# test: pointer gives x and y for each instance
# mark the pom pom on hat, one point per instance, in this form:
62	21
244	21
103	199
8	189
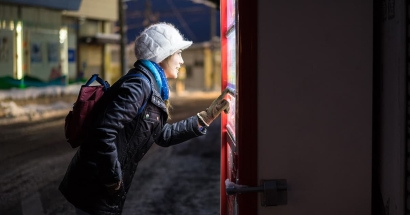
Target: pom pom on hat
159	41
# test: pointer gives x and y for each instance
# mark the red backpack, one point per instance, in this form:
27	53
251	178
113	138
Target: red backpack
77	120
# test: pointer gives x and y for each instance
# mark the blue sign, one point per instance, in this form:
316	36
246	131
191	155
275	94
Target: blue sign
71	55
36	54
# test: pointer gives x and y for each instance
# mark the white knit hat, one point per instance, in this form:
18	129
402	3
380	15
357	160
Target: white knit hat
159	41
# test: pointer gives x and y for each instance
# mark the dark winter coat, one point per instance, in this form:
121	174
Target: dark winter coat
118	140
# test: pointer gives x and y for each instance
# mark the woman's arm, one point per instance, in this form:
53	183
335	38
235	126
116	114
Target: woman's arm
179	132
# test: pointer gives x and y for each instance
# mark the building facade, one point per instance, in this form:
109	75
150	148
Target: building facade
47	41
91	40
32	42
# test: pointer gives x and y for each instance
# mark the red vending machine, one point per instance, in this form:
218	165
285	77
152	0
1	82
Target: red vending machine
229	150
299	137
239	127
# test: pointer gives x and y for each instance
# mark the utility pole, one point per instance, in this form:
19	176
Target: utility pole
123	36
213	47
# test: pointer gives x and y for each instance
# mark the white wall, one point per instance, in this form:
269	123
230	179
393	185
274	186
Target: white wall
42	56
73	56
7	53
42	39
8	12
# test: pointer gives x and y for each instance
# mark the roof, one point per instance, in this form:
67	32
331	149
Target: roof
54	4
191	17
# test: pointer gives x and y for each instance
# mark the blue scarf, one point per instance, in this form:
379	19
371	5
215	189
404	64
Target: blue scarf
160	78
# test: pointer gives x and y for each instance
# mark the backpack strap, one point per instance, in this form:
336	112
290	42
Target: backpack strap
95	77
142	76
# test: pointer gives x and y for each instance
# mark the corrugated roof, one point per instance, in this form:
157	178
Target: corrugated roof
192	19
53	4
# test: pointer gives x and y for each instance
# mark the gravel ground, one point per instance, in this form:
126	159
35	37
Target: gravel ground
178	180
182	179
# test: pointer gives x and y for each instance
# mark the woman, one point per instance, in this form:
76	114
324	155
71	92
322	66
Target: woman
100	174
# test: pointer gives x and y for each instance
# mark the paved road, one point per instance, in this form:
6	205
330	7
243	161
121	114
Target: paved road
182	179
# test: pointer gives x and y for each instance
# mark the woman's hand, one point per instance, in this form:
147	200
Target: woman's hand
206	117
113	187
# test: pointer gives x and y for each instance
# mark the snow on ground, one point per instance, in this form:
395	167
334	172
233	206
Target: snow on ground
10	112
35	92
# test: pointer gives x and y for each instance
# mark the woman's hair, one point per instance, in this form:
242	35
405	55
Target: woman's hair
167	102
169	106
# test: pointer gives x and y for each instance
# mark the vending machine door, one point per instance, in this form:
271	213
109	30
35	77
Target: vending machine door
229	150
239	127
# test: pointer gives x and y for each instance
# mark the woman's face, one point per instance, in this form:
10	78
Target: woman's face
172	64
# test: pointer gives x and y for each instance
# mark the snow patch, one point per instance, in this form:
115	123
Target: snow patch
35	92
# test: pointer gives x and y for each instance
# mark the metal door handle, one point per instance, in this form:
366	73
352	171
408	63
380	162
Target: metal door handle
274	191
